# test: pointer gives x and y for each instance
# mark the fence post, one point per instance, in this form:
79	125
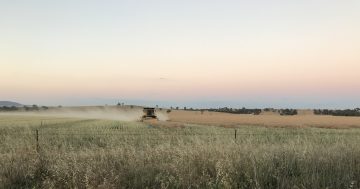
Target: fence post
235	133
37	140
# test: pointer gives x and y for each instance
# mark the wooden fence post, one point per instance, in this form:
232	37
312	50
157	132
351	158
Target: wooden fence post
37	140
235	133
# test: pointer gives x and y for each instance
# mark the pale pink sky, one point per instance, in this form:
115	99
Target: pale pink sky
181	51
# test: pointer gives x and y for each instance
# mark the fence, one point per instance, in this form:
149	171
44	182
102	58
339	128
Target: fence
40	135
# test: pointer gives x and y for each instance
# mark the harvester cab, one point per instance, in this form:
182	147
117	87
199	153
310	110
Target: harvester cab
149	113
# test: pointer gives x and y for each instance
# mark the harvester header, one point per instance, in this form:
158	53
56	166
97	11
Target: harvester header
149	113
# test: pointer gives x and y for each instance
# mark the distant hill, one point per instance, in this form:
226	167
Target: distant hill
9	104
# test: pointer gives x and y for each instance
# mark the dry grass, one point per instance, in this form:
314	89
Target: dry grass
90	153
305	119
163	124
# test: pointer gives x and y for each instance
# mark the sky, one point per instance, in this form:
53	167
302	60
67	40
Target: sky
195	53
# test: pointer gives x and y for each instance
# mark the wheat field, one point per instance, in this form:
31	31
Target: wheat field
304	119
96	153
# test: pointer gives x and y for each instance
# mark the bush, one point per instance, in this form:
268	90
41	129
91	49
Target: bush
288	112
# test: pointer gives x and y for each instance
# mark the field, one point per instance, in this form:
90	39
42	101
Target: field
193	150
304	119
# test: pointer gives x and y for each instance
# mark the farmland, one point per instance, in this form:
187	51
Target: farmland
192	150
304	119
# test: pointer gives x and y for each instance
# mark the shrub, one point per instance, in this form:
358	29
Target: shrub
288	112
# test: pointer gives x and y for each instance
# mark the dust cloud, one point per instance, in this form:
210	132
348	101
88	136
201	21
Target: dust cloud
108	113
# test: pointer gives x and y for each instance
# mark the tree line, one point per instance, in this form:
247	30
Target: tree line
237	111
8	108
26	108
254	111
346	112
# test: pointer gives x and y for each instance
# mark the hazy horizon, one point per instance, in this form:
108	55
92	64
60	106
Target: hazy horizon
198	103
181	53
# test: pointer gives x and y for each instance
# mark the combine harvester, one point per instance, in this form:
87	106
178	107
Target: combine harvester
149	114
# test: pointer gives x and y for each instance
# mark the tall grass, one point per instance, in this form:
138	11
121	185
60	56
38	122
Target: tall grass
77	153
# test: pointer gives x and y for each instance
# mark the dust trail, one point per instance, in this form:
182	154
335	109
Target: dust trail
121	114
162	116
